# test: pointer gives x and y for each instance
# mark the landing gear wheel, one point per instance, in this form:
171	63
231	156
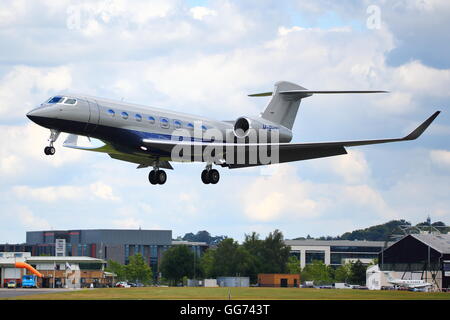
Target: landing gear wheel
49	151
152	177
205	177
213	176
161	176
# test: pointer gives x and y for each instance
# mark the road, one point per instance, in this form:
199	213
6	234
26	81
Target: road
11	293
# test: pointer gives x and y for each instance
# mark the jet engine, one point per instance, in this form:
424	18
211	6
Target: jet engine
252	130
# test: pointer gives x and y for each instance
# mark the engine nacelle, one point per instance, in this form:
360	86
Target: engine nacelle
248	128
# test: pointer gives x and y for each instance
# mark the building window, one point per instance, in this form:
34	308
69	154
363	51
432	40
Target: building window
312	255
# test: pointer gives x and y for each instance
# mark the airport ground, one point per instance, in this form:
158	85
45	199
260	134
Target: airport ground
172	293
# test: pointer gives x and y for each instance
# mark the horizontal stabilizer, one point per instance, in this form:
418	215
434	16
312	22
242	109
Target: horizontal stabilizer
306	93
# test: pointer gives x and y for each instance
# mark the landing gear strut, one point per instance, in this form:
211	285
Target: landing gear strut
157	176
50	150
210	175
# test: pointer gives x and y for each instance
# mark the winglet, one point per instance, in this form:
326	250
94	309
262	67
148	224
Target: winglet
420	129
264	94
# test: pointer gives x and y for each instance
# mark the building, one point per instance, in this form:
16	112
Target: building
278	280
57	272
335	252
233	281
107	244
419	256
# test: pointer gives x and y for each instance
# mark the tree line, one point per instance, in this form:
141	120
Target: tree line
229	258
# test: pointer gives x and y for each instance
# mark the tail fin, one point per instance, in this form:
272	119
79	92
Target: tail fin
282	109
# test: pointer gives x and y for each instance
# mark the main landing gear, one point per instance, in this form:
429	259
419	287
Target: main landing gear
50	150
157	176
210	175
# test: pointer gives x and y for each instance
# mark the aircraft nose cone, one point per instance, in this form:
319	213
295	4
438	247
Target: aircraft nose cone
36	114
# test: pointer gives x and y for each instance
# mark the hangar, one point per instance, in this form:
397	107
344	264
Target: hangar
420	256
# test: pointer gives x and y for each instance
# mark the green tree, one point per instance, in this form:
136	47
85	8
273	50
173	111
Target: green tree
176	263
343	273
358	273
275	253
230	259
293	265
318	272
137	270
207	263
118	269
254	247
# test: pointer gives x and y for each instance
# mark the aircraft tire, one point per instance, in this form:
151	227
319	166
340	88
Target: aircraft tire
161	176
205	177
152	177
213	176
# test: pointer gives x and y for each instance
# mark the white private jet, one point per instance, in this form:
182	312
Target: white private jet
411	284
152	137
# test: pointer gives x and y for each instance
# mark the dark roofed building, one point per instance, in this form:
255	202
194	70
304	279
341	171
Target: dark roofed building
428	254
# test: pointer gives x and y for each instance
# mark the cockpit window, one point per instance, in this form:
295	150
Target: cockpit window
70	101
56	100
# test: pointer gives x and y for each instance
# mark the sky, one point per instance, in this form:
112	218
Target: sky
204	58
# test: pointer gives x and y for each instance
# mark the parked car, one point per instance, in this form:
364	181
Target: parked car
132	284
140	284
122	284
11	284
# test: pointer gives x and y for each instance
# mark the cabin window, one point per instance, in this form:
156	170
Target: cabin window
204	128
138	117
151	119
190	126
111	112
177	124
124	115
164	123
70	101
55	100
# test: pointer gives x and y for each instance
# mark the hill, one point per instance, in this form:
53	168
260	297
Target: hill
385	231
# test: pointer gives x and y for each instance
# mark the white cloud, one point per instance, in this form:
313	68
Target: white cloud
95	191
280	196
29	220
24	87
103	191
199	13
24	145
353	167
441	157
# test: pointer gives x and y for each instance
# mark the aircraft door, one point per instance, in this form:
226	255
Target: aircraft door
94	116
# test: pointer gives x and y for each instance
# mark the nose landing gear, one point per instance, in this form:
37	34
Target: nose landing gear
50	150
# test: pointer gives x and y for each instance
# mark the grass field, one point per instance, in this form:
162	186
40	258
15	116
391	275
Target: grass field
236	294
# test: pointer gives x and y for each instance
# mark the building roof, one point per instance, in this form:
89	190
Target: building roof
72	259
344	243
188	243
439	242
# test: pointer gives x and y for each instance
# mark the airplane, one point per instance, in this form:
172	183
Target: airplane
411	284
153	137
